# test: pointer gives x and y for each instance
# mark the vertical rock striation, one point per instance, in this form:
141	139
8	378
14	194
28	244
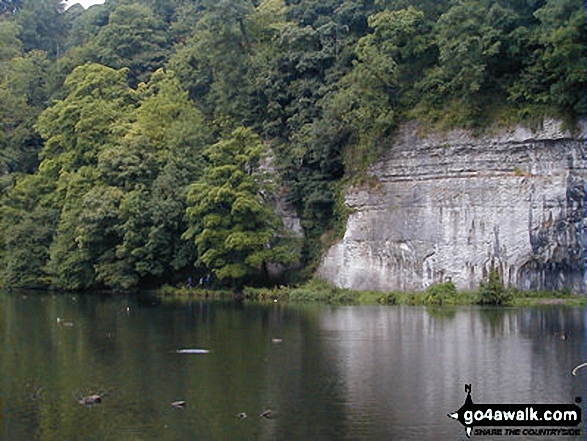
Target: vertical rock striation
452	206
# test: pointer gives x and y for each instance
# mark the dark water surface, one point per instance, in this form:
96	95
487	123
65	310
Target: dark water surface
337	373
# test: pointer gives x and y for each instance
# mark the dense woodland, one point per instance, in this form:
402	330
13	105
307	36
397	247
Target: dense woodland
146	141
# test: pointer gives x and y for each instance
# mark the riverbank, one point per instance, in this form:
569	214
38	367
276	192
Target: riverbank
316	291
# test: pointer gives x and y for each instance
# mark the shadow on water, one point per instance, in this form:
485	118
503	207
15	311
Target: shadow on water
328	373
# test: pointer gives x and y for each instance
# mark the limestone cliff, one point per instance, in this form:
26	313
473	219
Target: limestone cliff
449	207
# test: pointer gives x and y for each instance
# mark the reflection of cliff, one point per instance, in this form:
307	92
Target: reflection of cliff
403	370
451	206
558	334
338	373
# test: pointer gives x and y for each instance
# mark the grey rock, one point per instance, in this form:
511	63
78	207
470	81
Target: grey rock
452	206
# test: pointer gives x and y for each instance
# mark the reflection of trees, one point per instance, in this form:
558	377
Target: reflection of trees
494	319
15	388
334	372
131	355
441	313
299	368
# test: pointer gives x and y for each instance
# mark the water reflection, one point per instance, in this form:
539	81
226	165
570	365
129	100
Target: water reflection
326	373
403	364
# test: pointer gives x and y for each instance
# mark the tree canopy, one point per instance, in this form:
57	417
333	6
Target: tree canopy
235	229
145	141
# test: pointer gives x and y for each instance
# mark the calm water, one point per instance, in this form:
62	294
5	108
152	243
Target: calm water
338	373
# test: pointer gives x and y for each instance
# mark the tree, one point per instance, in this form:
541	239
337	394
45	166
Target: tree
28	218
114	172
298	70
214	65
471	75
324	83
10	6
79	126
371	99
234	228
555	73
85	26
134	38
42	26
312	12
160	155
85	234
492	291
93	116
23	94
10	45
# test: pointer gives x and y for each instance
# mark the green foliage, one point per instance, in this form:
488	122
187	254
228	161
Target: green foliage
436	296
100	140
76	129
134	38
492	291
86	26
318	291
562	297
472	39
373	95
214	60
28	219
235	230
388	299
264	294
554	74
10	6
118	162
441	294
23	96
42	26
10	44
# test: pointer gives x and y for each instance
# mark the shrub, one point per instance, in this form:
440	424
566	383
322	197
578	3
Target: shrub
442	293
388	299
322	292
493	292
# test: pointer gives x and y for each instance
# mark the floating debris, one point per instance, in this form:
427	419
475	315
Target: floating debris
242	416
91	400
193	351
582	365
276	340
178	404
267	414
64	323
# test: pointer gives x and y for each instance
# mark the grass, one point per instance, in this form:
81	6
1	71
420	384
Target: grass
521	298
440	295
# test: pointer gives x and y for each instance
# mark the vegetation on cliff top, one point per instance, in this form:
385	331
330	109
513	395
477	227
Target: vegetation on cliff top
133	133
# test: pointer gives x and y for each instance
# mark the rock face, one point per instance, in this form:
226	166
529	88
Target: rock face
452	206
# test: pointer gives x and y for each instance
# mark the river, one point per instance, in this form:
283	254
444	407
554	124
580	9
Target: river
323	372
